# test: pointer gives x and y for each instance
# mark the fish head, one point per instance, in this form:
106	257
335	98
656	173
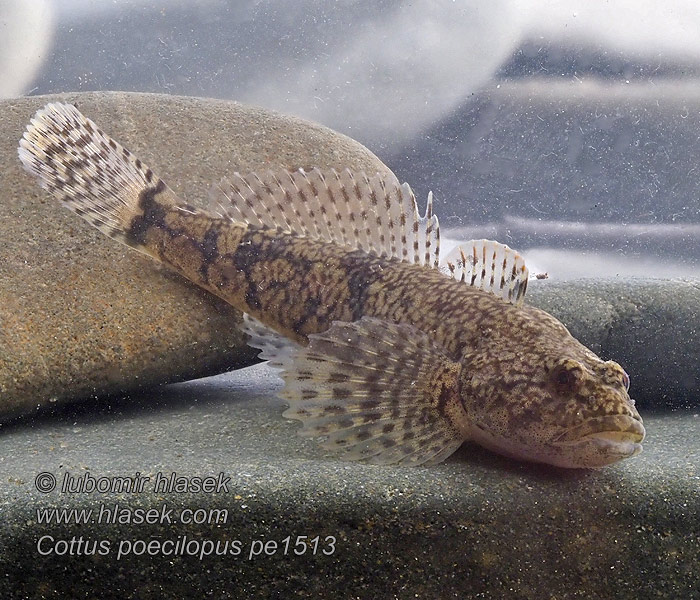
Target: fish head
556	402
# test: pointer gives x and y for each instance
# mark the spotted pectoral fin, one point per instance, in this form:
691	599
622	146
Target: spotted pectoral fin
378	392
274	347
375	213
489	266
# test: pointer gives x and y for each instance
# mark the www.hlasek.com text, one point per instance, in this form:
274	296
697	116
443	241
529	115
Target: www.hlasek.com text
115	513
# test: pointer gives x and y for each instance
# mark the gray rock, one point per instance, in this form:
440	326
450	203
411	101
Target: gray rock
477	526
528	154
81	315
650	326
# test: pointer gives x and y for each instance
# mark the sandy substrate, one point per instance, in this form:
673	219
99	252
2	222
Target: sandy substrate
476	526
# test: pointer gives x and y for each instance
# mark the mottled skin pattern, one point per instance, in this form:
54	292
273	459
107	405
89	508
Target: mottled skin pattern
398	363
528	388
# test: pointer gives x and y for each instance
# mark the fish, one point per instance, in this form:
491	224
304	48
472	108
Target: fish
390	353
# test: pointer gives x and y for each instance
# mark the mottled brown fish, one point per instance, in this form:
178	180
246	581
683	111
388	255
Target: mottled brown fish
389	354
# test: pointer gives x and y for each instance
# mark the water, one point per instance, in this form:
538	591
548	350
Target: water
541	124
566	130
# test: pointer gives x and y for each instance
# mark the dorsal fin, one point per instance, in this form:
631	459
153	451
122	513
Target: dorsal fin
489	266
374	214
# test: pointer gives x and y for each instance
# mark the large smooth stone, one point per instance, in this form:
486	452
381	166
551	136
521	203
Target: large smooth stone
81	315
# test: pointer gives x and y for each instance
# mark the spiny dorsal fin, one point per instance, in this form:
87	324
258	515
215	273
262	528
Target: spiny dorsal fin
371	214
379	392
490	266
374	214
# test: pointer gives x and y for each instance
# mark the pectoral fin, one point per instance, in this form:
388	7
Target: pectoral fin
379	392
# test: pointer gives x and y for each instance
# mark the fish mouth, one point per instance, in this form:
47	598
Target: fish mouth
618	434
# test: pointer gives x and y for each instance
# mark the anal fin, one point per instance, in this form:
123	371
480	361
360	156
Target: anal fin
378	392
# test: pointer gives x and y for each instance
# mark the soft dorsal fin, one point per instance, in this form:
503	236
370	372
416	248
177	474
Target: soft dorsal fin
489	266
374	214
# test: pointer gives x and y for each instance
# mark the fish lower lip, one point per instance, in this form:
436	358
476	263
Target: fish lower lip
614	436
616	429
615	442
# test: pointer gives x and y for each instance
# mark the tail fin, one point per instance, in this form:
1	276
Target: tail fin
89	172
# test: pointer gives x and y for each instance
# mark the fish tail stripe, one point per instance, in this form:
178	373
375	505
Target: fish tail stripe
345	216
334	192
484	265
504	265
363	190
466	269
276	193
245	209
304	208
381	216
90	173
403	238
295	208
429	224
436	237
284	184
364	213
319	191
258	188
415	232
374	227
292	210
406	225
392	222
355	209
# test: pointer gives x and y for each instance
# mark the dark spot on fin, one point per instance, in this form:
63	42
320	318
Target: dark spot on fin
152	214
490	266
334	206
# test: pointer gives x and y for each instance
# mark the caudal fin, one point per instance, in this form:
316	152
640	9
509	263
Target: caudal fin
89	172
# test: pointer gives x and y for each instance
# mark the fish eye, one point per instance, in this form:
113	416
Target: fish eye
563	377
626	381
566	375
